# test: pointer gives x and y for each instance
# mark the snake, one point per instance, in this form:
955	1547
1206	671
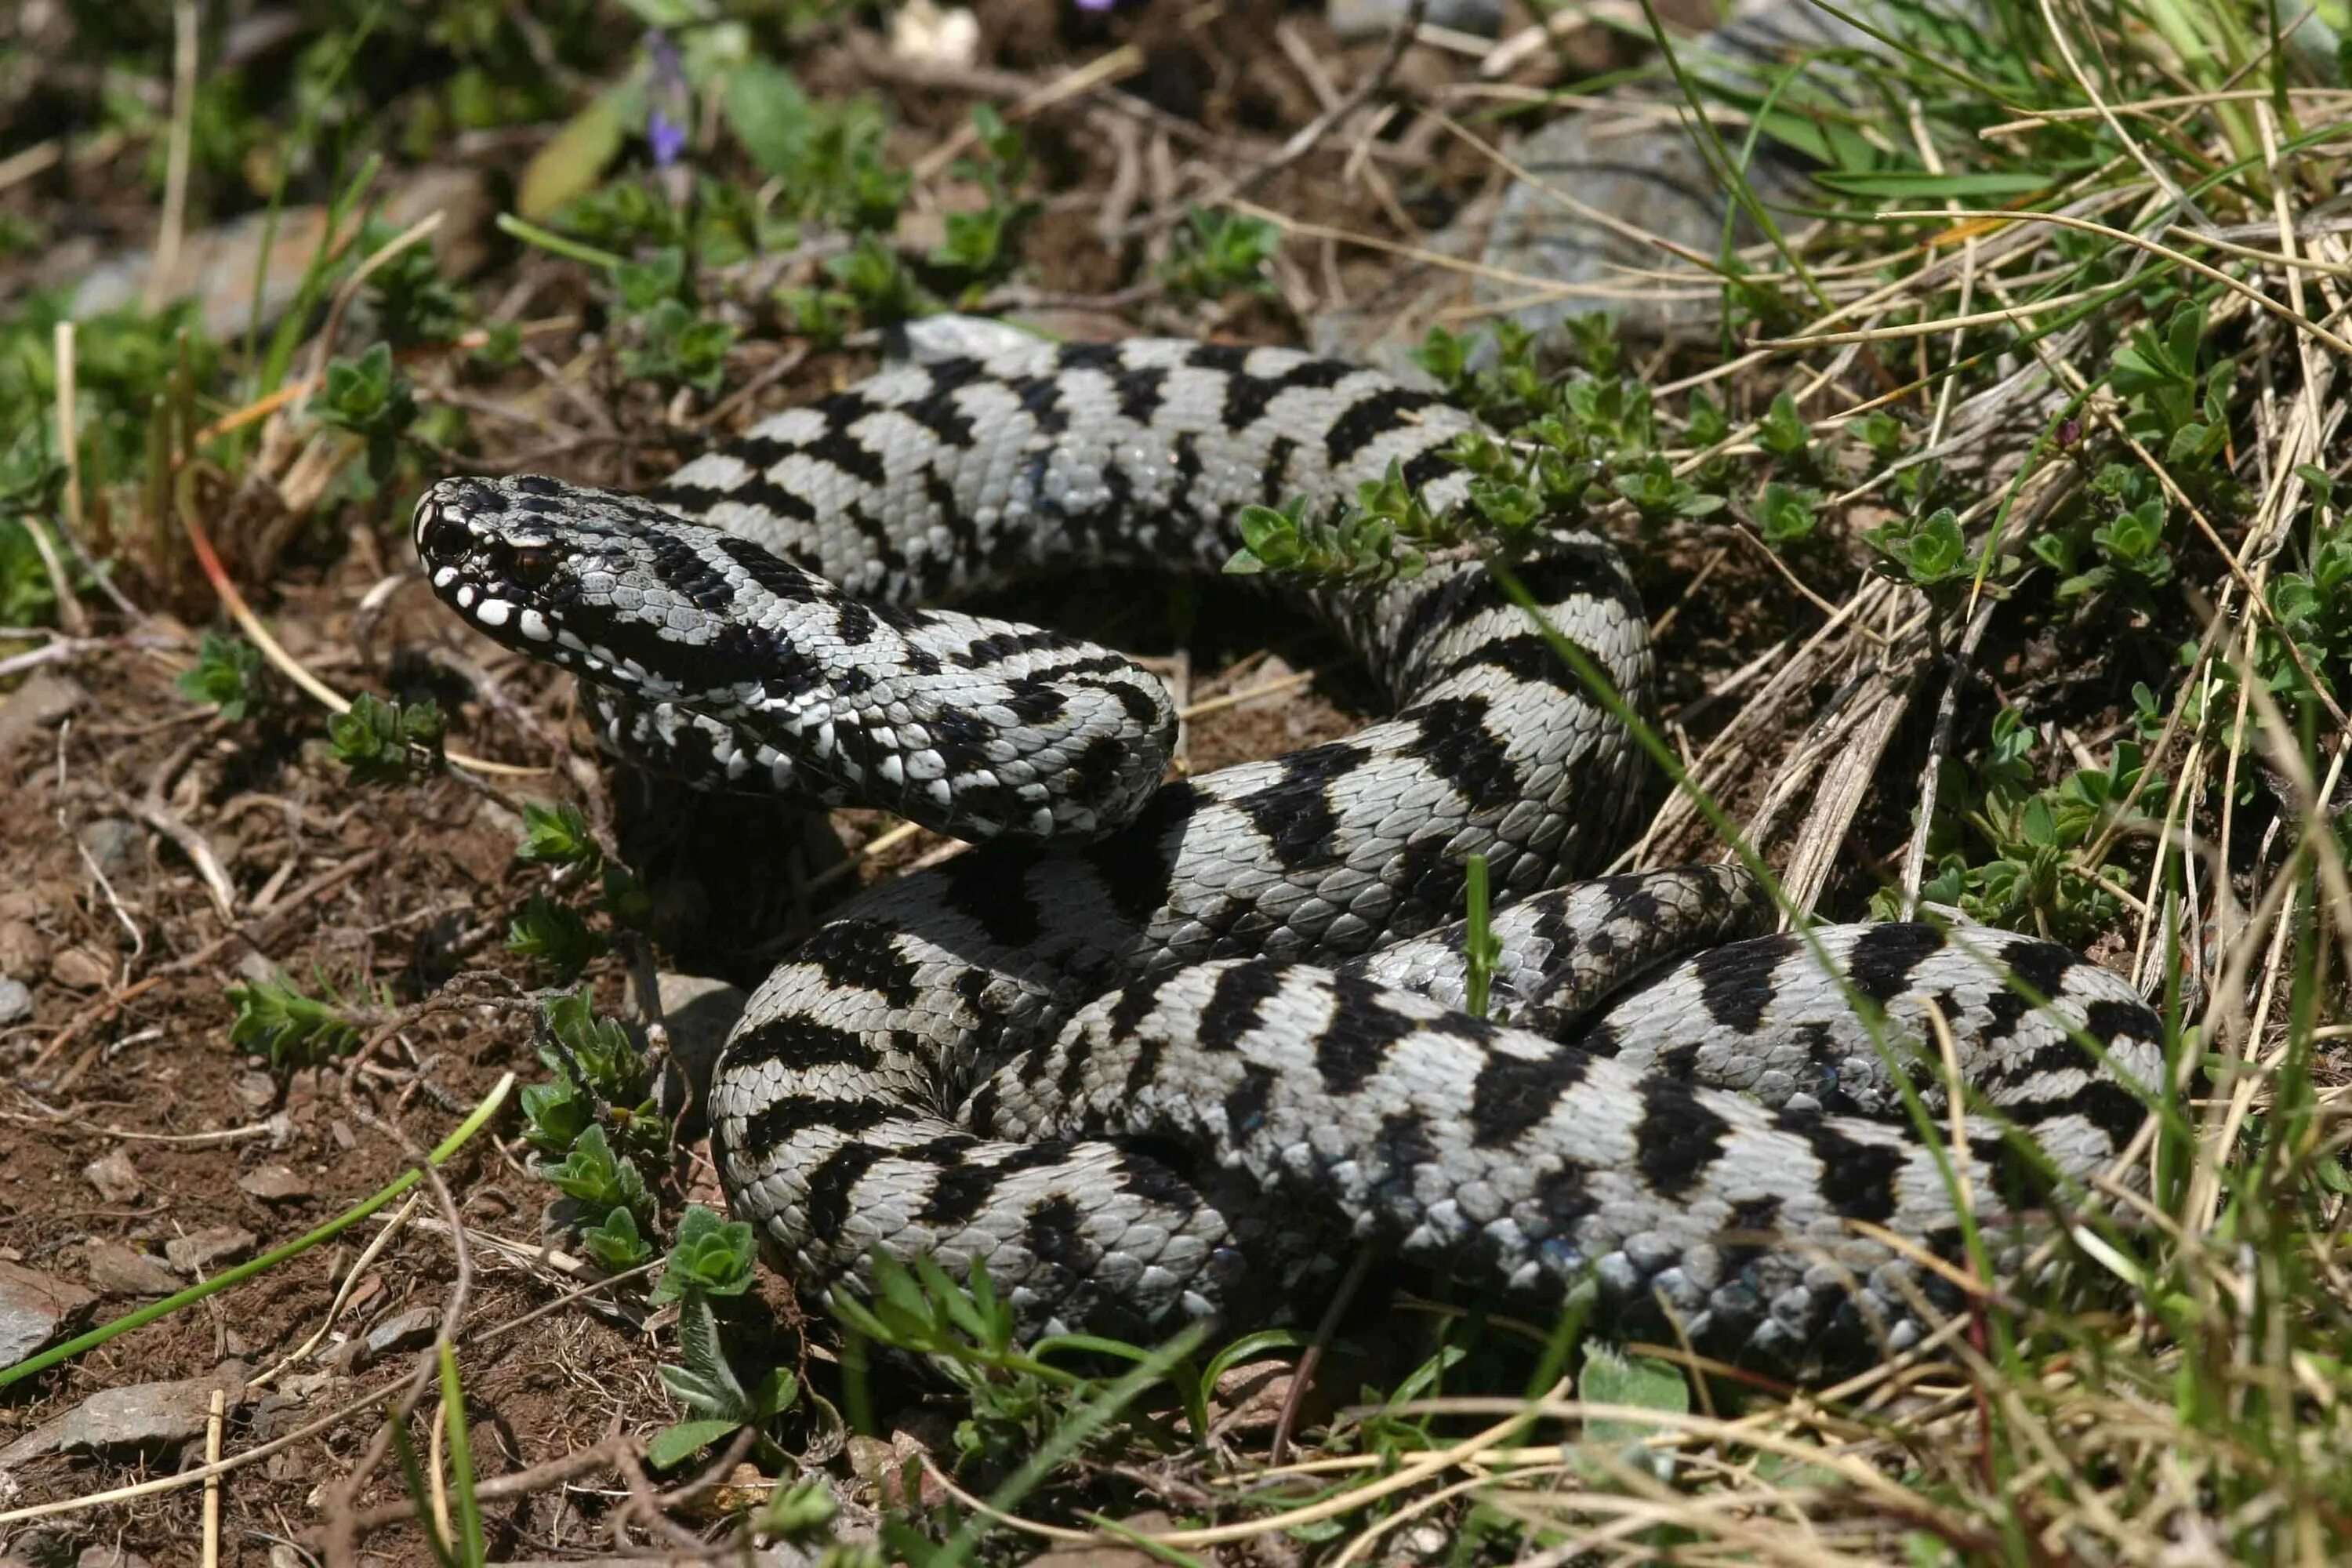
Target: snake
1164	1048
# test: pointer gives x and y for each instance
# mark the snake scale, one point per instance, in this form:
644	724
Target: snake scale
1158	1050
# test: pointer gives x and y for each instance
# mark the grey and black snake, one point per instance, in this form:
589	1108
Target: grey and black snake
1158	1050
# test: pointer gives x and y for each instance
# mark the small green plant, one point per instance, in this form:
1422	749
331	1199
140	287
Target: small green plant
602	1077
230	674
667	340
2156	373
555	936
1785	515
1930	553
1481	949
558	836
1783	433
1217	253
982	243
712	1260
291	1029
598	1179
384	743
371	398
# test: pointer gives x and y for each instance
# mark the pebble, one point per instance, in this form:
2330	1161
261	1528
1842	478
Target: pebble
700	1014
142	1415
199	1250
80	969
15	1001
1352	20
119	1270
116	844
24	952
114	1176
35	1309
274	1184
44	698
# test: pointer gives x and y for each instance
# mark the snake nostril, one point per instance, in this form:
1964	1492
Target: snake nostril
437	533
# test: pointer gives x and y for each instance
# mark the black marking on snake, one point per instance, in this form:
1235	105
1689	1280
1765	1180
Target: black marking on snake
853	623
1355	1042
1041	399
1136	862
1734	982
1295	813
799	1043
1056	1233
832	1183
1368	418
1677	1138
1188	472
1138	389
1563	1196
1231	1009
757	493
1401	1148
1095	770
785	1118
1857	1179
1513	1093
1454	742
2041	966
1246	1102
1274	481
960	1193
1884	958
859	954
2107	1019
939	411
993	894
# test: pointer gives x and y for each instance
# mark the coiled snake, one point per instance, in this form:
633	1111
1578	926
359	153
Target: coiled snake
1156	1051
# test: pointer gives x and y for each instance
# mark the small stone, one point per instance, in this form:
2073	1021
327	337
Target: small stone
114	1176
109	1556
35	1309
929	33
700	1014
1351	20
24	952
118	1271
117	845
274	1184
142	1415
199	1250
256	1090
1106	1554
44	698
15	1001
80	969
403	1332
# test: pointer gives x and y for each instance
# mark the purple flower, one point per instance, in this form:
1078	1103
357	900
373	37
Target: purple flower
666	120
667	136
1096	5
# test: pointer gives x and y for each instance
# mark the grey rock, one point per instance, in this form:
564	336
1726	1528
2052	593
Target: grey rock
109	1556
403	1331
117	1270
114	1176
117	844
142	1415
700	1012
199	1250
15	1001
1352	20
274	1184
44	698
35	1309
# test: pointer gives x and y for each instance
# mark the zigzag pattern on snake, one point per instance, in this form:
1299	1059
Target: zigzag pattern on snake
1157	1050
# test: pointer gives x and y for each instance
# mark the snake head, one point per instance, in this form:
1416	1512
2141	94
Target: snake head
607	585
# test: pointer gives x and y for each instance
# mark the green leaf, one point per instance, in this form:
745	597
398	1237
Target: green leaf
1908	185
683	1441
711	1254
576	156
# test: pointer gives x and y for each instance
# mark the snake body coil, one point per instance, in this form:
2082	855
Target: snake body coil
1156	1051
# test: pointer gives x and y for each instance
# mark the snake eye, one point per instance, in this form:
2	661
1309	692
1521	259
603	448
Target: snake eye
532	565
